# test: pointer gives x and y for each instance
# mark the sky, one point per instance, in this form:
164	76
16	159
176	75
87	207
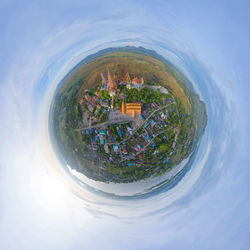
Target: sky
41	207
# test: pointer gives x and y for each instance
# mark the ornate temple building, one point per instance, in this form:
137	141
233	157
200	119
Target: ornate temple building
104	81
103	78
127	78
134	83
109	84
112	85
131	109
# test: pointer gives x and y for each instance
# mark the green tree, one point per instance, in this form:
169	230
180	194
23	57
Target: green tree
104	94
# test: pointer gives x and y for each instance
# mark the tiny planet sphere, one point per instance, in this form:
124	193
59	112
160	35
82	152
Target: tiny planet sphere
126	114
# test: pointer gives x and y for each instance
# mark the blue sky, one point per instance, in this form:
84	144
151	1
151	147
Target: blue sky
41	41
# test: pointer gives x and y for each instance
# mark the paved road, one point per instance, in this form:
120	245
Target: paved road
120	121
